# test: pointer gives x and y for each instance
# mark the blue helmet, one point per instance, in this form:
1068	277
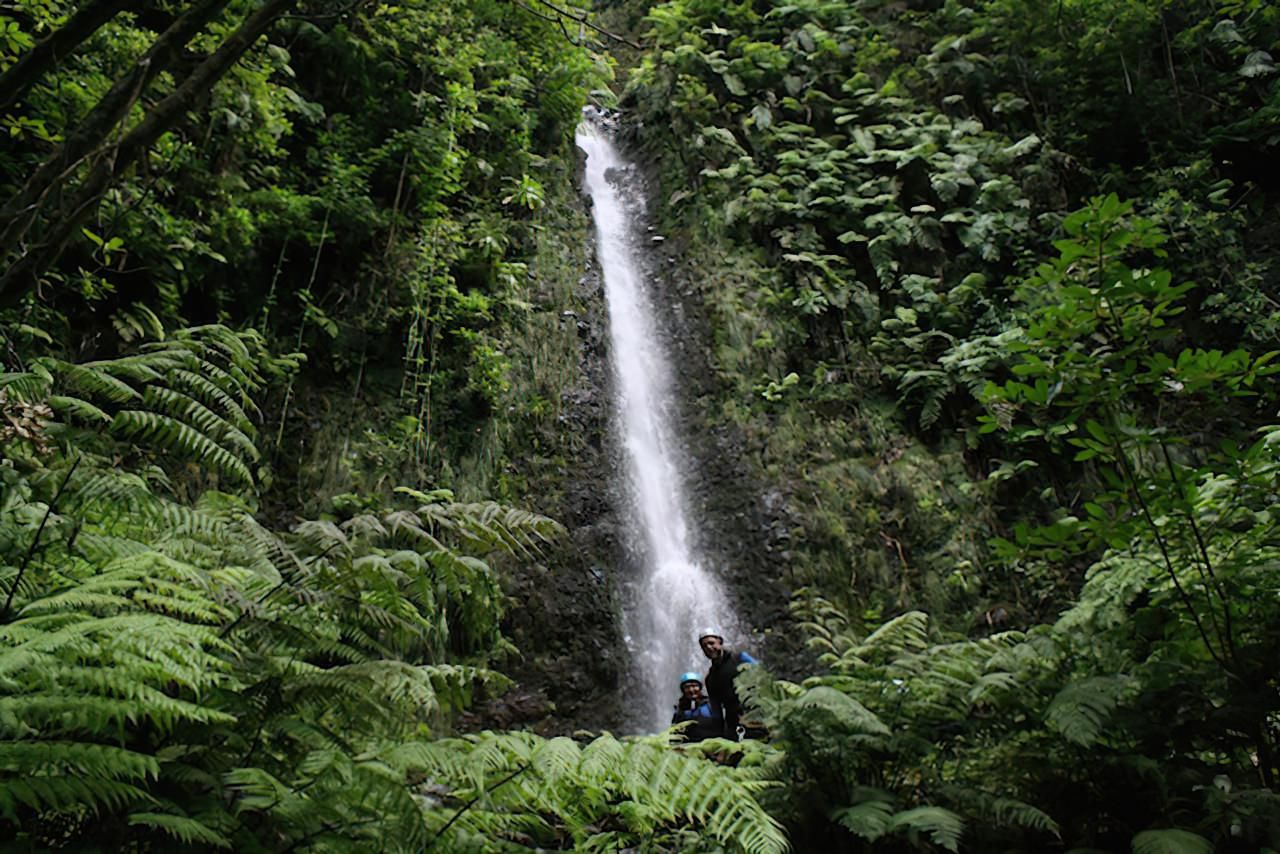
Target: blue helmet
690	677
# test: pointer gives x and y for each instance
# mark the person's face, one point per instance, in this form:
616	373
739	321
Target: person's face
691	690
711	646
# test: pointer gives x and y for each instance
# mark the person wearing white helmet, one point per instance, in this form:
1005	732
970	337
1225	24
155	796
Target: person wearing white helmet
695	709
725	664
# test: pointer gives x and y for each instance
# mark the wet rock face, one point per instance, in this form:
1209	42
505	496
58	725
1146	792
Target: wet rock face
746	524
562	610
743	527
565	612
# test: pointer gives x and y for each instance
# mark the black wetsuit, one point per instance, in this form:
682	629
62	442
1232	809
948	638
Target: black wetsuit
720	688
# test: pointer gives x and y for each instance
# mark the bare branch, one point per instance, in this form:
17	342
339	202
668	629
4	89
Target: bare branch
581	19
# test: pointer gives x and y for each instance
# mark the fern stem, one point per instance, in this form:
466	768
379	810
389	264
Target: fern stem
35	541
469	804
1203	549
330	828
1172	572
302	324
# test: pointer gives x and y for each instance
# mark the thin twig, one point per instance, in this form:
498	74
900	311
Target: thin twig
469	804
35	541
581	19
331	828
341	13
1203	548
1172	572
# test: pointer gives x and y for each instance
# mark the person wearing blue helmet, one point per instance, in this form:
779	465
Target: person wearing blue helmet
694	708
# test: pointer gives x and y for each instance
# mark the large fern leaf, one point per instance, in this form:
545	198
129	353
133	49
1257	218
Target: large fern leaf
1171	841
944	827
1080	711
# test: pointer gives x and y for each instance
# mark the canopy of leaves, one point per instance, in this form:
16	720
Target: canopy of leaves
992	286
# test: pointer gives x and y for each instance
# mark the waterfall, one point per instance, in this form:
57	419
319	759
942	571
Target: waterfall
673	594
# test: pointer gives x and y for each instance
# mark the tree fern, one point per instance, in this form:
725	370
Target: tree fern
891	700
186	671
661	790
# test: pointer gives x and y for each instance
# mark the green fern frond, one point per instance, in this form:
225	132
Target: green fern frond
847	712
103	548
78	408
139	368
1080	711
182	828
905	633
488	526
137	322
404	523
365	526
1014	813
187	409
64	713
275	560
556	759
171	434
944	827
601	755
26	387
869	820
1171	841
385	688
454	683
257	789
999	811
322	536
185	523
98	382
102	761
212	395
992	686
112	493
63	793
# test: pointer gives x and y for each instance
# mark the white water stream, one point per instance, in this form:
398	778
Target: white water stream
674	594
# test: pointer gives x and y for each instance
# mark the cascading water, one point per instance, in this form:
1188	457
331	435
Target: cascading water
674	594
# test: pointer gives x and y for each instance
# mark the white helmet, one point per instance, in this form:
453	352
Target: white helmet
710	632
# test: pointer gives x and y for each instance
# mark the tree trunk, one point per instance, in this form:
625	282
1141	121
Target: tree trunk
20	212
24	272
38	61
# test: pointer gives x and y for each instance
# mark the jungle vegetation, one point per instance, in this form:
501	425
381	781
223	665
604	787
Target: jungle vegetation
992	286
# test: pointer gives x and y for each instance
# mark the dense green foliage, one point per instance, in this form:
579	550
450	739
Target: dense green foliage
183	660
359	185
991	387
892	171
173	670
992	289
